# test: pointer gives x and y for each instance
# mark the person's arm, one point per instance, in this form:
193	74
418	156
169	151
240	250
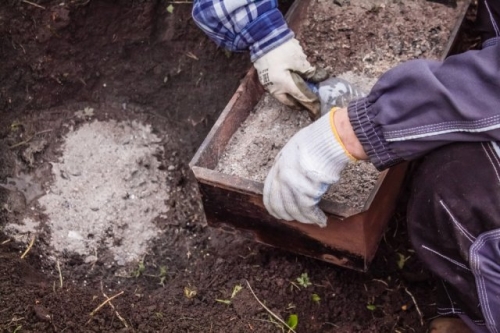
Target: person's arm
413	109
259	27
243	25
422	105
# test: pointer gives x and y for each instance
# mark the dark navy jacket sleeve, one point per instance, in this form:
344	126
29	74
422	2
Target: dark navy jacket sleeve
243	25
421	105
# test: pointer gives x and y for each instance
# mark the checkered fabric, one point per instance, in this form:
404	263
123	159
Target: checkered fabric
241	25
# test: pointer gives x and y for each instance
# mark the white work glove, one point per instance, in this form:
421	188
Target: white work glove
282	72
304	170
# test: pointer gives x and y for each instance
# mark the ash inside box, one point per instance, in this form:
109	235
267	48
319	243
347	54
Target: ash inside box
251	151
360	39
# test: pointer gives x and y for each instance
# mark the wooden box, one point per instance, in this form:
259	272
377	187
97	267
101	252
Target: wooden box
233	203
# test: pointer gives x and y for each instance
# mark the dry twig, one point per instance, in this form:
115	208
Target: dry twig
267	309
124	322
29	247
191	55
382	281
28	139
60	274
416	306
108	299
22	142
33	4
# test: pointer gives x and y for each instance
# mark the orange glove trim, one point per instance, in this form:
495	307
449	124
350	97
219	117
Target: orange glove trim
336	134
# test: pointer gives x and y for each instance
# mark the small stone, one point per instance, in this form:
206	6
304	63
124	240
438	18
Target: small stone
90	259
341	2
74	171
171	168
74	235
42	313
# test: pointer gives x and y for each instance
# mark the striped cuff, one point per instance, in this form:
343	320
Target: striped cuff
370	135
491	42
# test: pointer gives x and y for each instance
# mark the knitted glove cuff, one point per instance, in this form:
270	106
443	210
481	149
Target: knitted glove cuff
326	150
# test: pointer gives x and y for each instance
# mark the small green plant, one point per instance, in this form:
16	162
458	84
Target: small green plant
224	301
163	275
237	288
303	280
87	112
371	307
15	126
315	298
170	9
140	269
402	260
190	292
292	321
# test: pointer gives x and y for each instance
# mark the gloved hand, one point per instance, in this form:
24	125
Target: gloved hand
282	72
337	92
304	170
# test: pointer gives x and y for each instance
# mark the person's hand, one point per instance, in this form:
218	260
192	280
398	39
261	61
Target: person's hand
306	167
282	72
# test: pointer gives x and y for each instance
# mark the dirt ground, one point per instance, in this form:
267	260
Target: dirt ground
139	61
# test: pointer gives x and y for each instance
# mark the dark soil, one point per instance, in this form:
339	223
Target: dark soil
370	38
59	58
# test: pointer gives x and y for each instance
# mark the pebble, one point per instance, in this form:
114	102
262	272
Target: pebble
74	235
90	259
42	313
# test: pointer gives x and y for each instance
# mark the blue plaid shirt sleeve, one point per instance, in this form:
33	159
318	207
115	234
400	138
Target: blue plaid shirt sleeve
241	25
